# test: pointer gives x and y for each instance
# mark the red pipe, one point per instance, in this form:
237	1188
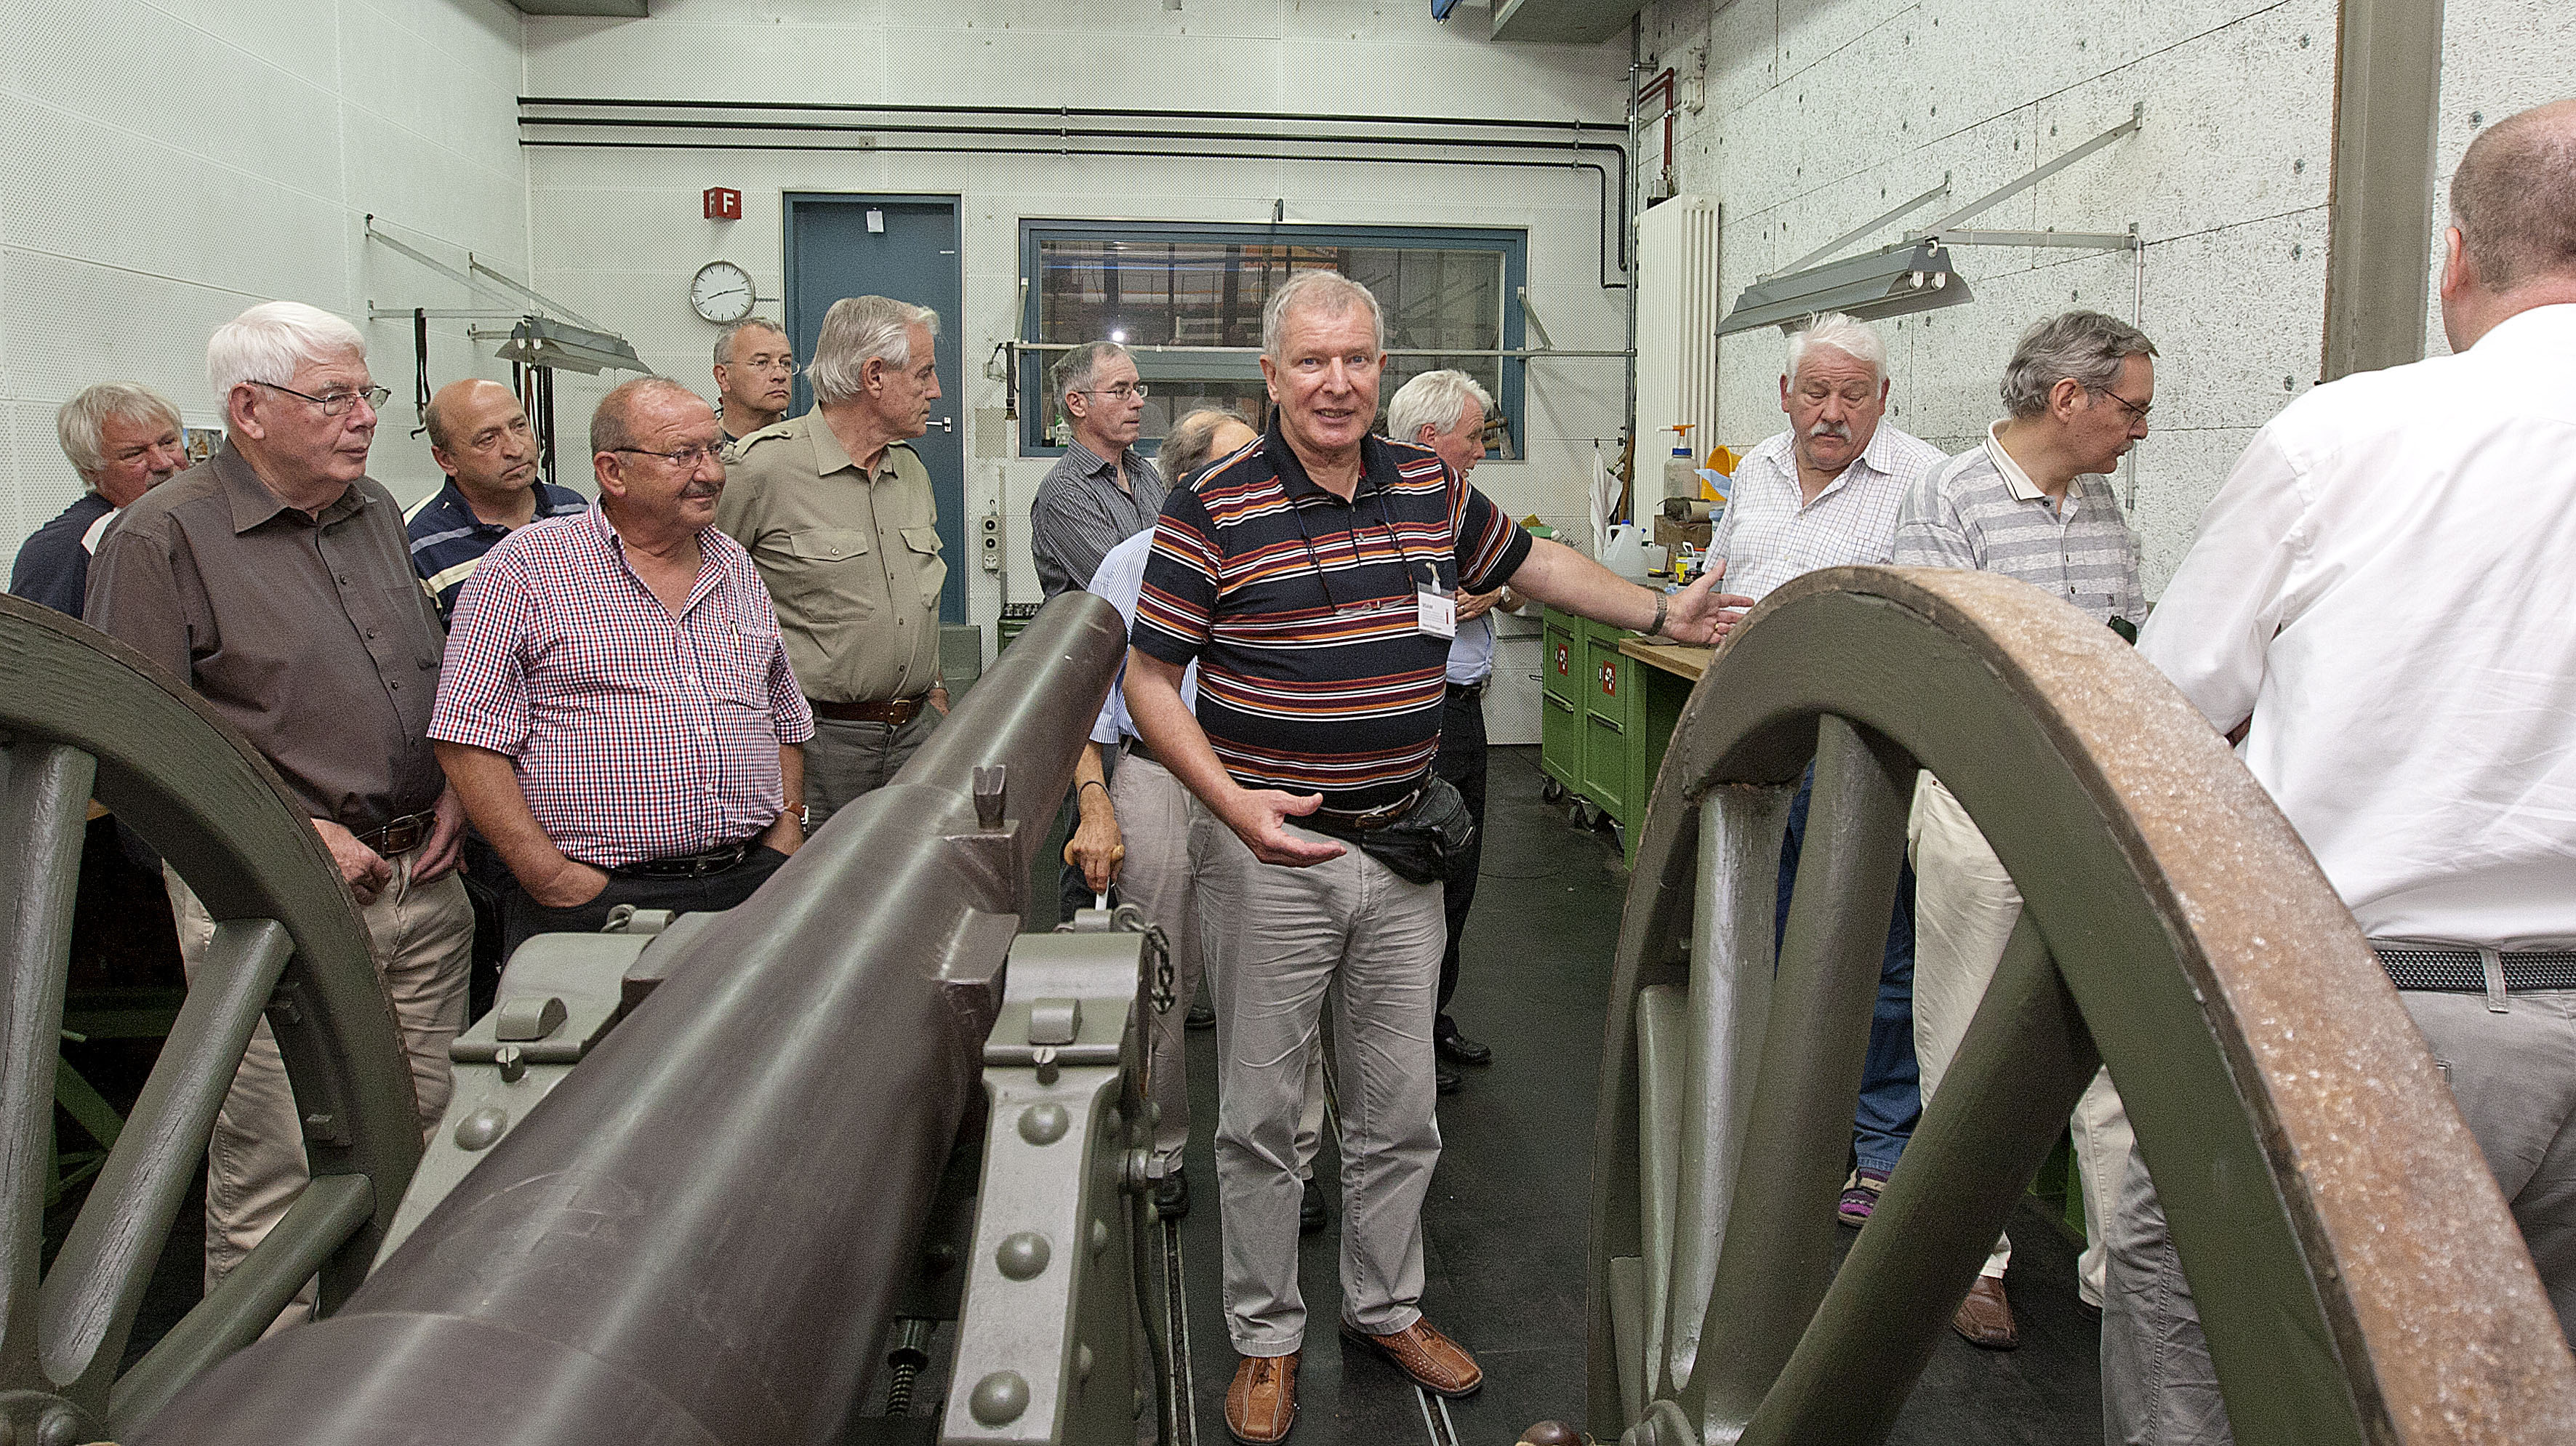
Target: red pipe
1663	82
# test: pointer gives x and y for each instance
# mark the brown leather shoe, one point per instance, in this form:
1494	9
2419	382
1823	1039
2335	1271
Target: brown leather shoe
1985	1317
1436	1363
1262	1403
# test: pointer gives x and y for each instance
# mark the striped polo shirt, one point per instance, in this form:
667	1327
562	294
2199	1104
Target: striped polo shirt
447	539
1298	608
1979	510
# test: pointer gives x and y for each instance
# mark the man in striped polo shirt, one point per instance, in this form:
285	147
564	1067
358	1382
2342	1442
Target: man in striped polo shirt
1313	578
2031	502
479	436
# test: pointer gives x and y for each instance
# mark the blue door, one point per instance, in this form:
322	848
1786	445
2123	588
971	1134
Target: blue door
904	247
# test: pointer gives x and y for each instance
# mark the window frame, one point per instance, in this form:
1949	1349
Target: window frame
1511	243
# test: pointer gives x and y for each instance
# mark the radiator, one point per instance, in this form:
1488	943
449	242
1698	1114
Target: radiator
1678	306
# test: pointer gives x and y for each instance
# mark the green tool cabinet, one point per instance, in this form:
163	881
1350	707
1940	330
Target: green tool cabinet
1605	718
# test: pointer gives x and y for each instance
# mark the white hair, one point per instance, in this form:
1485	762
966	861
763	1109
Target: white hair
1327	291
269	341
81	424
1435	400
858	330
1836	332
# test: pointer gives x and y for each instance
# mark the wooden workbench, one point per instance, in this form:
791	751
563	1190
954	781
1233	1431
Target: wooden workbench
1680	659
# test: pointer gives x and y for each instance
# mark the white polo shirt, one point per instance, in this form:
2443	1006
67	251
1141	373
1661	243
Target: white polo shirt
1771	534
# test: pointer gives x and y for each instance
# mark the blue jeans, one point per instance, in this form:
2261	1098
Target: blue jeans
1889	1101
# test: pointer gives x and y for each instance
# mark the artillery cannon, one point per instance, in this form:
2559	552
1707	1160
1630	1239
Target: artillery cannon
699	1181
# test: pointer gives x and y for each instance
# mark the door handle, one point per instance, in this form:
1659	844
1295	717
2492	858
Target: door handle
945	424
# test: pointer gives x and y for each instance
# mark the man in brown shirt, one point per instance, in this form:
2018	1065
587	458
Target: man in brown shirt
837	514
275	580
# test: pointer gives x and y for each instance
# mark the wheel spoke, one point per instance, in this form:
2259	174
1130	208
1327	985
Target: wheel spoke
1777	1259
44	799
98	1280
2002	1104
1663	1028
1730	995
332	1209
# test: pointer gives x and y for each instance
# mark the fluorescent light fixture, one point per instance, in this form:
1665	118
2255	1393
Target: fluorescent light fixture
542	341
1908	277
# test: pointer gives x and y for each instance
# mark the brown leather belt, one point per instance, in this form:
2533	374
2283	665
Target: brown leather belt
895	711
402	835
1333	820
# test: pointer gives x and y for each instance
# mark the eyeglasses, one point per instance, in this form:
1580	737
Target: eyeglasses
337	404
686	458
1123	392
2137	413
785	364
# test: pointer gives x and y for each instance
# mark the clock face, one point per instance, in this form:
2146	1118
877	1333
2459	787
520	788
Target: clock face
721	292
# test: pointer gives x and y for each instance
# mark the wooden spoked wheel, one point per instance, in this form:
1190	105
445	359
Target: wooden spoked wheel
81	717
2321	1187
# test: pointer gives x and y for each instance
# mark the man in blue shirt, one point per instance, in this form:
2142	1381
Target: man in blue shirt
123	439
479	436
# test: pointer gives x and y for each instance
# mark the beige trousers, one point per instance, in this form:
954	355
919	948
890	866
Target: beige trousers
1965	907
424	946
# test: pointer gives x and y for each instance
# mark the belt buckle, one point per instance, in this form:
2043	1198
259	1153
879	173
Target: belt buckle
401	836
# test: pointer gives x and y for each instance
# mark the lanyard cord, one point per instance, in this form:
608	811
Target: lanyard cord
1386	519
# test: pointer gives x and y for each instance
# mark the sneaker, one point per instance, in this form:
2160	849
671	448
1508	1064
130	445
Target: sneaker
1860	1196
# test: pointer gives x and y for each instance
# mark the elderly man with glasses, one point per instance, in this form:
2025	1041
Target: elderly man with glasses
755	374
123	440
2032	502
672	787
275	582
1102	491
836	510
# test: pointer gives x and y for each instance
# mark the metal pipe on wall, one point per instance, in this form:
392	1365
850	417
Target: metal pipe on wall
1363	149
698	1236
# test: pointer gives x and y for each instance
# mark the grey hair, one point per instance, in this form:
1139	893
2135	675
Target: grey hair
1834	331
1187	449
612	424
1435	400
1327	291
81	423
268	342
2084	347
856	331
724	338
1076	369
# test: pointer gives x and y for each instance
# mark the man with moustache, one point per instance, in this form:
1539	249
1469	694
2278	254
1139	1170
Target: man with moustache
123	439
836	511
479	436
273	580
755	369
1825	493
2033	502
1312	577
671	787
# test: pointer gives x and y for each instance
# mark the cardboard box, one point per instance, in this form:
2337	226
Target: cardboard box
1669	533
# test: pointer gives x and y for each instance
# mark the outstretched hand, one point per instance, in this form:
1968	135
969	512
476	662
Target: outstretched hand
1256	817
1701	615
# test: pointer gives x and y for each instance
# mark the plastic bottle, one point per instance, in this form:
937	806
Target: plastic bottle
1681	473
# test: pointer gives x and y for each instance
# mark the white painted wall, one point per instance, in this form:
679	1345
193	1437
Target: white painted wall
171	162
618	233
1818	114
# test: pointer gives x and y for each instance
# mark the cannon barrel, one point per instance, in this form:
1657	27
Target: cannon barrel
699	1235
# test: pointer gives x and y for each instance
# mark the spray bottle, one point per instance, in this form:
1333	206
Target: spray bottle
1681	474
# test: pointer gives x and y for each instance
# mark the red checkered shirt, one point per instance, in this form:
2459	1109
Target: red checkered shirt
635	734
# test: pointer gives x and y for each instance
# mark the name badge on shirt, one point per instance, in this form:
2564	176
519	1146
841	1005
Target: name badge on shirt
1435	612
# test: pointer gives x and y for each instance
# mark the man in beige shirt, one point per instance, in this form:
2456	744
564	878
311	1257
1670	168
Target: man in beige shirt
837	514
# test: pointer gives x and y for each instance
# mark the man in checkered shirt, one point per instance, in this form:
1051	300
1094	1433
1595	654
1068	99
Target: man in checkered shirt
617	709
1825	493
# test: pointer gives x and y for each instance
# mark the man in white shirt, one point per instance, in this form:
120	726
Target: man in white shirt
2381	606
1826	493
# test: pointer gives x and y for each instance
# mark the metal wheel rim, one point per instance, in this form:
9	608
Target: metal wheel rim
2169	903
87	716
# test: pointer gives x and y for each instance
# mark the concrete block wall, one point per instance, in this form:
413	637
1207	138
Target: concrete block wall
618	233
1817	114
167	163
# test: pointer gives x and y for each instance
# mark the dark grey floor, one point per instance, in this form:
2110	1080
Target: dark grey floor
1506	1227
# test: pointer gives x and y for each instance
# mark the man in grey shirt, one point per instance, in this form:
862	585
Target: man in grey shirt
275	581
2030	502
1102	492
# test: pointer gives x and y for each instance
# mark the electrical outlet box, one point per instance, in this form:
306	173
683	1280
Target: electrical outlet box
990	530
